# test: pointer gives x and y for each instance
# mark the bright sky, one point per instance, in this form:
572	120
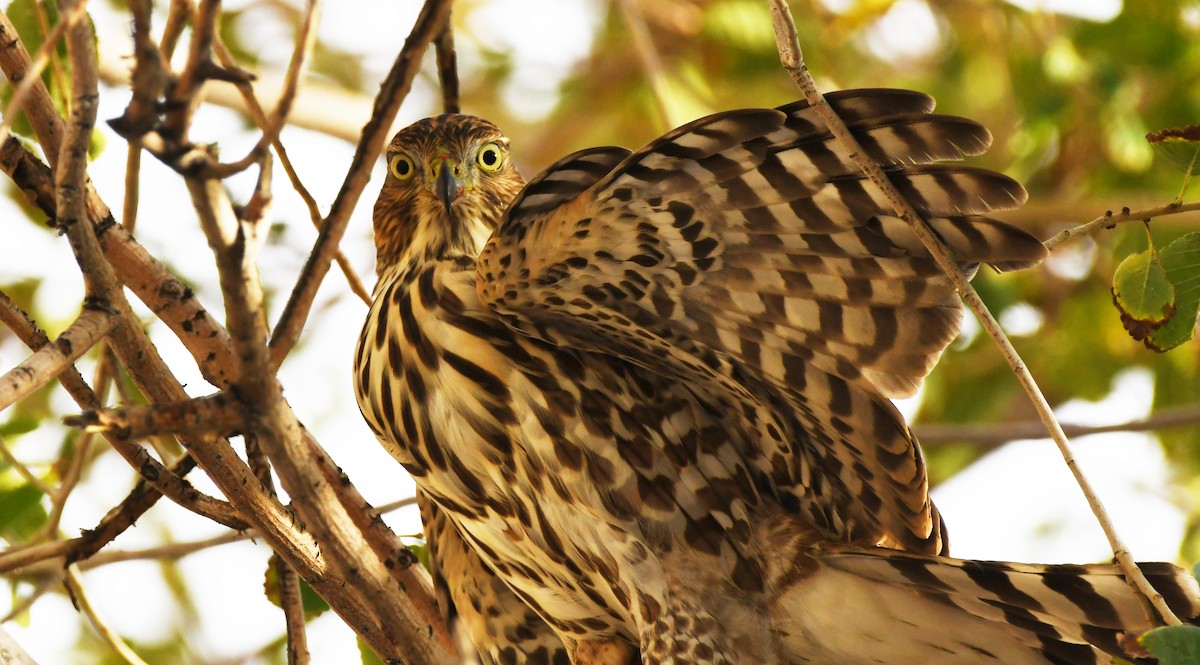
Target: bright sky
1018	503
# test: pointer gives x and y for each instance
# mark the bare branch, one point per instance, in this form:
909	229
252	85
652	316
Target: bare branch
163	479
287	581
121	517
169	298
254	108
215	414
184	95
52	359
793	62
394	88
293	612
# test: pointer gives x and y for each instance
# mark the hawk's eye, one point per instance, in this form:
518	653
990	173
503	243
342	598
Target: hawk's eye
490	158
401	167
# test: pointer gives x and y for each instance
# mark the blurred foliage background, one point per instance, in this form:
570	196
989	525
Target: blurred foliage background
1069	96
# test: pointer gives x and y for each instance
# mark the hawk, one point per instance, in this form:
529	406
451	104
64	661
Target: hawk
645	397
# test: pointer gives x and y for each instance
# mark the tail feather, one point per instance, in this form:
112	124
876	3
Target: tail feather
871	605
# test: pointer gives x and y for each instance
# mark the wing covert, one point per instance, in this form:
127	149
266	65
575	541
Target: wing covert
745	251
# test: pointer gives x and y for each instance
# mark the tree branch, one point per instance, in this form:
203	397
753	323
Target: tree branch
447	66
52	359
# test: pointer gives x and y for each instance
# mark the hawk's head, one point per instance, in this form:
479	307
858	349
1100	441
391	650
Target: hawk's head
449	180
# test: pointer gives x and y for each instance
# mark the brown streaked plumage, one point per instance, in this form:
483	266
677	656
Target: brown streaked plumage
654	407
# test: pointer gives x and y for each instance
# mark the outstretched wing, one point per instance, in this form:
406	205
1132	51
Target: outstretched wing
746	253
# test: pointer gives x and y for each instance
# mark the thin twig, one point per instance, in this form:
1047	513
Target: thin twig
393	90
22	470
48	557
644	46
172	301
254	108
122	516
49	44
790	55
79	596
998	434
38	105
1109	220
306	40
20	607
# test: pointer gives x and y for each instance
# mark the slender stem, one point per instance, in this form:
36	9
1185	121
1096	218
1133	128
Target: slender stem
995	435
393	90
254	108
47	557
23	470
793	62
23	88
1109	220
38	106
644	46
74	584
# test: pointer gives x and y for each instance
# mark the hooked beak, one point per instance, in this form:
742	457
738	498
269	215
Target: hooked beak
447	187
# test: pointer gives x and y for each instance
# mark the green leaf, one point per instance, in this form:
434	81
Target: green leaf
1181	261
21	511
1180	146
314	605
1143	294
21	423
422	552
1173	645
368	654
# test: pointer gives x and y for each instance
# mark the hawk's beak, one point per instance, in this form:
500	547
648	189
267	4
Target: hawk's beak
447	187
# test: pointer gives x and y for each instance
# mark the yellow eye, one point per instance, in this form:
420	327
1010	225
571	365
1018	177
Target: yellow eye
490	158
401	167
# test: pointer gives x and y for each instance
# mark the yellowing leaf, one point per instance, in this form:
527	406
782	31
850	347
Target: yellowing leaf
1143	294
1181	261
